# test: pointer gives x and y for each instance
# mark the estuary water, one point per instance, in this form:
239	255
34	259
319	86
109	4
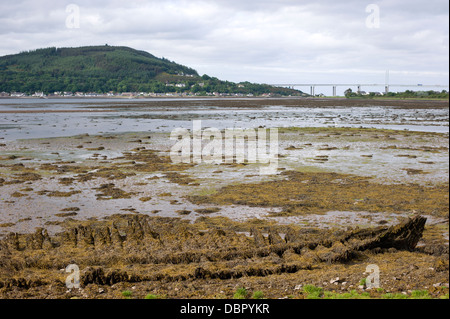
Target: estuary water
45	118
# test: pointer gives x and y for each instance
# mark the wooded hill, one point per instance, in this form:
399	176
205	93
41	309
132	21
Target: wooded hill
106	68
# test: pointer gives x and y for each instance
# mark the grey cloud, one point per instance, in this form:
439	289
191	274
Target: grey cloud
259	40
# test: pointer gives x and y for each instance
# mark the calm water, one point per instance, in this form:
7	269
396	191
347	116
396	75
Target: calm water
98	116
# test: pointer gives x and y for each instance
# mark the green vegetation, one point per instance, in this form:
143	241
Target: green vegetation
420	294
394	296
408	94
127	294
258	295
103	69
313	292
241	293
363	282
151	296
348	295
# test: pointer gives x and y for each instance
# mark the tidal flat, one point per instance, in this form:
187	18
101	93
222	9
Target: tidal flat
356	185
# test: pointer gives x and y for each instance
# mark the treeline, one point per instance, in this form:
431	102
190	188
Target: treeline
408	94
105	69
420	94
211	84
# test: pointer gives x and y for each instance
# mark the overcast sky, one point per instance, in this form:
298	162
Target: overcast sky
264	41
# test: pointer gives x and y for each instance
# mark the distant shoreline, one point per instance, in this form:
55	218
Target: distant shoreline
339	98
167	97
228	102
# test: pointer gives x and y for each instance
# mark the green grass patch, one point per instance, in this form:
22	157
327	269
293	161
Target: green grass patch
348	295
420	294
394	296
363	282
313	292
241	293
151	296
258	295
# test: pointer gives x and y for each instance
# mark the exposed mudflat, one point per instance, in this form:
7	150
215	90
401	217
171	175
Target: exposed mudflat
33	118
114	203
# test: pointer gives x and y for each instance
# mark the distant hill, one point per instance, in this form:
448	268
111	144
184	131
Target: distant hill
106	68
